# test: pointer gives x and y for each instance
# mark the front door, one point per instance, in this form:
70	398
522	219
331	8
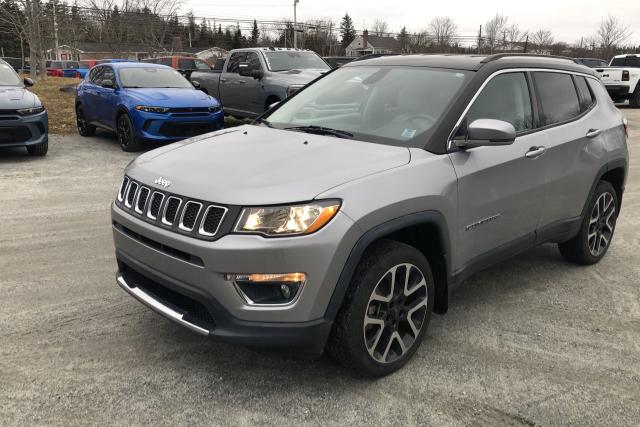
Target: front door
230	88
500	188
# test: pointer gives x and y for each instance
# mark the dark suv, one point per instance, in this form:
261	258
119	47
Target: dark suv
347	214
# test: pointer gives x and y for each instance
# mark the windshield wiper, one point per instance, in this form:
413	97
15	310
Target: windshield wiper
263	121
321	130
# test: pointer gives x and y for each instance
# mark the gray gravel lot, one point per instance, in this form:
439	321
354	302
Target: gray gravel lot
531	341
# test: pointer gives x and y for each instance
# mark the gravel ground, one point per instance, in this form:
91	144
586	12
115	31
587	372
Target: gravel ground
531	341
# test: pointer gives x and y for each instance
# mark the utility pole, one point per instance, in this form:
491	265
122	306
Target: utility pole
295	24
479	38
55	31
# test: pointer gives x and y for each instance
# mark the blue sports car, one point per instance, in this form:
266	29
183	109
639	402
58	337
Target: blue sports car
144	103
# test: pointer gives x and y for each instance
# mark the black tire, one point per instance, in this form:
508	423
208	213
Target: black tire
84	128
126	135
587	248
634	101
38	150
351	341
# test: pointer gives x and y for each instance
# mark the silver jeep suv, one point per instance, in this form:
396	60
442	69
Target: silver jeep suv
345	216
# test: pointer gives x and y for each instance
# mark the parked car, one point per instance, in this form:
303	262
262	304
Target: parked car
591	62
144	103
62	68
347	214
254	79
184	64
23	119
621	79
338	61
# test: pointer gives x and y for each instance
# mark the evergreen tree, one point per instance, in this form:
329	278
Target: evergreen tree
347	31
255	33
403	39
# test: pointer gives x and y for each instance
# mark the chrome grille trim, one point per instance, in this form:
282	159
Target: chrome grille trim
136	205
181	225
133	186
164	211
123	188
149	214
204	218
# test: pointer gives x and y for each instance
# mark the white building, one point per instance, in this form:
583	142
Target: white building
366	45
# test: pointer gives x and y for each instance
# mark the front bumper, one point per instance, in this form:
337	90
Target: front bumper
153	127
21	131
146	254
618	91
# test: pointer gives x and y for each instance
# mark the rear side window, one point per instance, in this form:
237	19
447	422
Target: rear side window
558	97
506	97
584	94
633	61
617	62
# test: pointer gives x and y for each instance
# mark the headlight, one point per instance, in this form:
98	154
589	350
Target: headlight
215	109
287	220
293	89
148	109
30	111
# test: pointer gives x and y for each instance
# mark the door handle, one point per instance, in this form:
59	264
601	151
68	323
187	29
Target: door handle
535	152
242	82
593	133
223	80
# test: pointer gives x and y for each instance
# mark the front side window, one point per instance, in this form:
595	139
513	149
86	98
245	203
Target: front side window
254	61
109	74
383	104
234	62
558	97
506	97
143	77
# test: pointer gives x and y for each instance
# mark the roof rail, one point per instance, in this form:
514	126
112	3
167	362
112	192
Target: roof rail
497	56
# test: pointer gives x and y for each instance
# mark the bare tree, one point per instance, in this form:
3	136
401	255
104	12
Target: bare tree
541	41
514	37
611	34
494	30
380	28
26	20
442	29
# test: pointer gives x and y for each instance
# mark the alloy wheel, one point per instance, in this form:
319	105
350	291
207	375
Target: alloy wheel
80	121
601	224
124	132
396	313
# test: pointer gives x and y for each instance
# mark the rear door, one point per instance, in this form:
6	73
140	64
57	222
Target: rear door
500	188
230	90
574	143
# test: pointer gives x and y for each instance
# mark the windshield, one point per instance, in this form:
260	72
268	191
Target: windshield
391	105
594	63
153	78
8	77
291	60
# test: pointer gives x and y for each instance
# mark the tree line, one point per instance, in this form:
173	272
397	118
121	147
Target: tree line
28	28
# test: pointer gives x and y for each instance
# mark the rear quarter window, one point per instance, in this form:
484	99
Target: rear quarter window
558	97
584	93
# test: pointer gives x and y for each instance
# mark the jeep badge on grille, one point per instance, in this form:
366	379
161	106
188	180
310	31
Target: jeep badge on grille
163	182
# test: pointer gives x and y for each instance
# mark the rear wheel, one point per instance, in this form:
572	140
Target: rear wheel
38	150
594	238
126	135
634	101
386	310
84	128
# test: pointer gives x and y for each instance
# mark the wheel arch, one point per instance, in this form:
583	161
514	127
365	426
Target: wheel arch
615	174
426	231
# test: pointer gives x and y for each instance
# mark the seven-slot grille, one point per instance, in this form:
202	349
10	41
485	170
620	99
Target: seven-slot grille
194	217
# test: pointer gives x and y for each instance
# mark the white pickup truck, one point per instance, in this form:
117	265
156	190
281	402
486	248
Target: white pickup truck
621	79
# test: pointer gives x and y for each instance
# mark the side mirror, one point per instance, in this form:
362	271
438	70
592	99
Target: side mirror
108	83
246	70
488	132
28	82
196	84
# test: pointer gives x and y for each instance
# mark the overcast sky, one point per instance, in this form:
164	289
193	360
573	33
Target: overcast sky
567	19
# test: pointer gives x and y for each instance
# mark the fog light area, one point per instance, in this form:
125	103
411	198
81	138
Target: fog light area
268	288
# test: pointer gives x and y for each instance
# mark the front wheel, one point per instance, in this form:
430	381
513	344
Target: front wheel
386	311
596	232
126	135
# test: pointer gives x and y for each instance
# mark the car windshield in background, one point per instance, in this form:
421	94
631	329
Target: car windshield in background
8	77
291	60
153	78
594	63
390	105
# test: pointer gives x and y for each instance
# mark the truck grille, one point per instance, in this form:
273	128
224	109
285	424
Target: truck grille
197	218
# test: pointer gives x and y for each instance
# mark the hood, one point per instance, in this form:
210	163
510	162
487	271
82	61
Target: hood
15	97
172	97
298	76
255	165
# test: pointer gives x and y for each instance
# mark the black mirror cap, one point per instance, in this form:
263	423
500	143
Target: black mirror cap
28	82
108	83
488	132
